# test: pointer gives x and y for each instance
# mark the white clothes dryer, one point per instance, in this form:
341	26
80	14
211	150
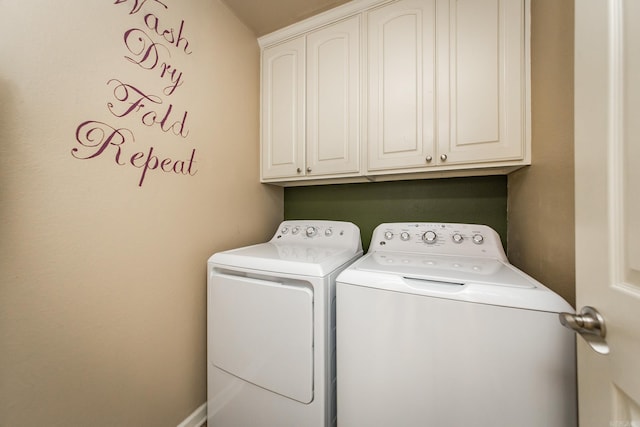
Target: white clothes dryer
436	328
271	327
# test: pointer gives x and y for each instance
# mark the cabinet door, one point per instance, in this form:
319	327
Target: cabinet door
333	89
283	77
401	84
482	82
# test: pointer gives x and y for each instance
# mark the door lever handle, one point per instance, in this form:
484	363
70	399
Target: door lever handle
590	325
589	321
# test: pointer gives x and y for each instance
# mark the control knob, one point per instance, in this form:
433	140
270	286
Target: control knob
404	236
311	231
388	235
478	239
457	238
430	237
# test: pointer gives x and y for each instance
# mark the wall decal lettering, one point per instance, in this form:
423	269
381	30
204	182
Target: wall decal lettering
156	48
147	54
137	4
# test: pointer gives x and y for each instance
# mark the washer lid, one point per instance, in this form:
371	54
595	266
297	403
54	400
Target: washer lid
282	257
468	279
443	268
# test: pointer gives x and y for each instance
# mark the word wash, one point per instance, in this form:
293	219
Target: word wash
153	46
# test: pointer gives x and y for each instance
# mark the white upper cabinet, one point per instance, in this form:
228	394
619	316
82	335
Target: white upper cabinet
333	99
395	89
311	104
401	82
481	94
282	87
446	85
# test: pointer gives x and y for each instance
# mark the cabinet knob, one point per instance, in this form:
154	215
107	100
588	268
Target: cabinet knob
298	170
428	159
309	169
443	157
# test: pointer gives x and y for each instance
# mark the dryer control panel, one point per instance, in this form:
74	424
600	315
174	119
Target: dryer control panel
319	233
438	238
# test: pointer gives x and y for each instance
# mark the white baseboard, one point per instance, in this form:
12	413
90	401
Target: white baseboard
197	418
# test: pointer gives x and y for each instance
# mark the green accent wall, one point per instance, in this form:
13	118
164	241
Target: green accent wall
474	200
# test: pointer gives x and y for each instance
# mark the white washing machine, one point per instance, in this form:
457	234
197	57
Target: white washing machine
271	327
436	329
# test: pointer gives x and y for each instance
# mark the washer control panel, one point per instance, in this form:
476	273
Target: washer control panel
318	232
438	238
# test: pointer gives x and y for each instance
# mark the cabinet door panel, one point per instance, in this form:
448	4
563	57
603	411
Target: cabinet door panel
476	72
484	100
333	111
401	60
283	76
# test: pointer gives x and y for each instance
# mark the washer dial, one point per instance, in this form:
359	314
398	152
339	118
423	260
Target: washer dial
430	237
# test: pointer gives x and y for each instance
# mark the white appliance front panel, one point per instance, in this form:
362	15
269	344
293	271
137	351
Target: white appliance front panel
410	360
262	332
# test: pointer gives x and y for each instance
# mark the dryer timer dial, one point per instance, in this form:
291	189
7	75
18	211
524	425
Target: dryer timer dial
478	239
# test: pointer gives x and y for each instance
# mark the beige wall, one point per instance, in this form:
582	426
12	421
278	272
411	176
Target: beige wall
541	197
102	280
